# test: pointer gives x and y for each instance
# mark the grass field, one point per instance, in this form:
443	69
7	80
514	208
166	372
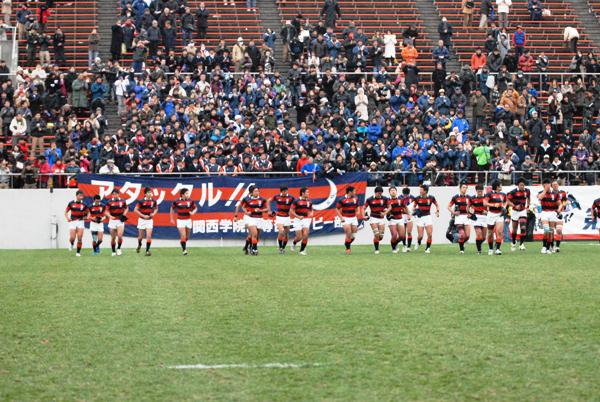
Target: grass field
520	327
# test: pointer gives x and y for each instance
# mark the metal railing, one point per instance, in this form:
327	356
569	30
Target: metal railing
386	177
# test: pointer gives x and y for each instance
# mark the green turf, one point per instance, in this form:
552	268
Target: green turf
522	327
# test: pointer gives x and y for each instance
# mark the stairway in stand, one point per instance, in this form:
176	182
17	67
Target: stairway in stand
107	15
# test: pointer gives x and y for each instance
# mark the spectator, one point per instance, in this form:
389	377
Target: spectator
5	173
519	41
535	10
478	61
116	41
389	53
7	10
467	10
503	44
251	6
188	26
410	35
22	18
571	37
485	9
269	38
202	15
331	12
441	53
109	168
410	54
93	47
445	31
18	128
503	7
58	43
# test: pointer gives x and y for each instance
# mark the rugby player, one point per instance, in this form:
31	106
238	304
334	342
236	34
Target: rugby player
407	200
479	213
184	208
302	213
253	206
564	198
97	217
395	214
377	205
495	203
145	209
348	209
518	201
551	207
283	202
596	215
76	213
116	211
459	208
423	203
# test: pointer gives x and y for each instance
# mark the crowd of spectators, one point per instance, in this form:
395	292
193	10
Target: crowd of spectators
349	102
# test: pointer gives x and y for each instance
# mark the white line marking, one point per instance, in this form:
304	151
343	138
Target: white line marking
244	365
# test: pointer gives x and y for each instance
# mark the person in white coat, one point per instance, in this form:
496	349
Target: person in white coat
503	7
361	102
390	41
571	37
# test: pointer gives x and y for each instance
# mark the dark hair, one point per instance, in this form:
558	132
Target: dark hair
251	189
521	180
391	188
495	184
479	187
406	191
379	189
283	188
183	191
97	197
424	187
349	189
147	190
302	190
115	191
79	192
546	181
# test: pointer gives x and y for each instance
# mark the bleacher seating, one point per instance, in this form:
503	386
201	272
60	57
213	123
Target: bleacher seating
373	16
545	35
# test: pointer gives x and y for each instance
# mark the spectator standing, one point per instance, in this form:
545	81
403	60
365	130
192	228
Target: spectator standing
188	26
479	103
237	56
445	31
202	15
331	12
389	42
410	54
93	47
58	43
478	61
22	17
441	53
519	41
7	10
4	174
503	11
571	37
251	6
44	49
33	41
269	38
467	10
79	97
287	36
484	9
116	41
18	128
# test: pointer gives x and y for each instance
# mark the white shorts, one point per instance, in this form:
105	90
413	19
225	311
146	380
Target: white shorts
283	220
97	227
516	215
377	221
481	221
423	221
550	216
115	223
256	222
461	220
493	218
184	223
302	223
76	225
350	221
407	218
145	224
394	222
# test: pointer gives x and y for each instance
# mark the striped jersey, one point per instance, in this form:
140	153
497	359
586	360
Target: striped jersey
97	212
116	207
477	203
596	208
377	206
77	210
348	206
497	199
423	204
302	207
147	206
519	198
461	203
254	206
283	203
183	208
550	201
397	207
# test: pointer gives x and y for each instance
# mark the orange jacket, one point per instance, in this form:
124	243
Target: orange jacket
478	62
410	54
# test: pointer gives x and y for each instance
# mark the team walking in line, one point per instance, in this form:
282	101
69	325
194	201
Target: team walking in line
485	212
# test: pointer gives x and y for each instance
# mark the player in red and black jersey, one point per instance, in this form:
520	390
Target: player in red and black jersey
348	209
283	202
395	215
377	205
518	201
302	213
495	202
254	207
551	209
116	210
97	217
564	198
423	203
76	213
479	211
183	208
459	207
407	200
596	215
145	209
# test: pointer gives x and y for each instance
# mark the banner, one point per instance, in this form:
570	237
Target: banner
217	197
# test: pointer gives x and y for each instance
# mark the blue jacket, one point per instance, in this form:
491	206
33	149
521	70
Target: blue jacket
462	124
373	132
519	38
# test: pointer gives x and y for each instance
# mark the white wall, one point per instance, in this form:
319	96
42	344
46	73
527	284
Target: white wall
34	219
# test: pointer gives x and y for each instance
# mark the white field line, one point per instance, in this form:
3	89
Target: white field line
244	365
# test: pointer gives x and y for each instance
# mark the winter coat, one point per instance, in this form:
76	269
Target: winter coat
80	98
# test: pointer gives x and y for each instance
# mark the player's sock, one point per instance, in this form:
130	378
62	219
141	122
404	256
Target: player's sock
98	243
303	245
409	239
254	244
394	243
347	243
247	243
113	245
514	237
403	241
72	242
478	242
284	241
94	245
419	240
148	244
119	244
498	244
428	244
523	225
376	245
139	243
491	244
461	245
183	243
279	242
79	246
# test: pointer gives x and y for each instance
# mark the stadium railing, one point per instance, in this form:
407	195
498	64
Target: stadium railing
385	177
